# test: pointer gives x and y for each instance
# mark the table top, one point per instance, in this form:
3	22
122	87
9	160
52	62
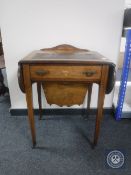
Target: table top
50	56
68	55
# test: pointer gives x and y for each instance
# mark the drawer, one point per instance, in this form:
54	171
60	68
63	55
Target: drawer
57	72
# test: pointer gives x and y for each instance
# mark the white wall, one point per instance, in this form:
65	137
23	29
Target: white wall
28	25
128	3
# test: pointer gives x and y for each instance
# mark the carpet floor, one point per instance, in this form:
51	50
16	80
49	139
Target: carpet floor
63	145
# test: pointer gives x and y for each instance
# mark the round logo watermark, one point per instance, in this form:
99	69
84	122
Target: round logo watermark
115	159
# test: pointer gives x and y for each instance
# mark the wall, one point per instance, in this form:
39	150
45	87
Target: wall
34	24
128	3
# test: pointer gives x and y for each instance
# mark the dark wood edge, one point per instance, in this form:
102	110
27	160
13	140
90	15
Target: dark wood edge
61	62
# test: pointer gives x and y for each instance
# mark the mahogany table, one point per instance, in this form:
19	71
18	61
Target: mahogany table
66	73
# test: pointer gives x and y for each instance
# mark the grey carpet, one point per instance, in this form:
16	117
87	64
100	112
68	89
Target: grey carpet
63	145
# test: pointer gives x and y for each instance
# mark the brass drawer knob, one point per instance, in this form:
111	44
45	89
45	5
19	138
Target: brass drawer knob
89	73
41	72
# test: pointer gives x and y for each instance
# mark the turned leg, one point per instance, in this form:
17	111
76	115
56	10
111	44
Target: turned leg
28	91
101	96
39	99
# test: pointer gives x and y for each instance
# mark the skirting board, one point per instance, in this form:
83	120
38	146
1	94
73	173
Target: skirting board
63	111
125	114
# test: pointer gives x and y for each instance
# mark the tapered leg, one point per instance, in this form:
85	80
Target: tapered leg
101	96
89	98
39	99
88	101
28	90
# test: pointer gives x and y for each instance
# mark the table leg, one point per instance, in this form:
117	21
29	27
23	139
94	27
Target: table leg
101	96
89	98
3	88
88	101
39	99
29	99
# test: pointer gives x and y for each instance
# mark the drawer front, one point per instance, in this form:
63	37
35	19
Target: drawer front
52	72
